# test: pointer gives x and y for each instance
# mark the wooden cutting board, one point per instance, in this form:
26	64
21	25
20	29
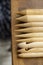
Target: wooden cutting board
17	5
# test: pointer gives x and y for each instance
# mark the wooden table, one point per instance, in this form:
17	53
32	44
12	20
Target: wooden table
15	6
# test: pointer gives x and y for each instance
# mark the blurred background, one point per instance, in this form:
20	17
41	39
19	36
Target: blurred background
5	32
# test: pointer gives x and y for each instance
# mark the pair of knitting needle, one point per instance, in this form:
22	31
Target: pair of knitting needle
36	14
34	49
30	37
31	12
33	39
30	29
32	24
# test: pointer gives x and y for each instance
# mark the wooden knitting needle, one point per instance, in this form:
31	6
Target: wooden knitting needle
33	50
30	29
30	45
26	55
31	12
31	18
30	35
34	24
37	39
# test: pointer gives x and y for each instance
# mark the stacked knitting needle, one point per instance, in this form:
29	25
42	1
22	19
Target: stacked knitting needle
30	33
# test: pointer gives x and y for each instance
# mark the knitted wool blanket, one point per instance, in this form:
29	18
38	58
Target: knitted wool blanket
5	19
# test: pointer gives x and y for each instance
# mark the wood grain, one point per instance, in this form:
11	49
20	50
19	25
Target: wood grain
13	17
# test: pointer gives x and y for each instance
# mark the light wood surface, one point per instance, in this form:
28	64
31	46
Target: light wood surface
14	8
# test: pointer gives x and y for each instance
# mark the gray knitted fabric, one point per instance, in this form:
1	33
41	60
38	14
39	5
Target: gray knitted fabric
5	21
